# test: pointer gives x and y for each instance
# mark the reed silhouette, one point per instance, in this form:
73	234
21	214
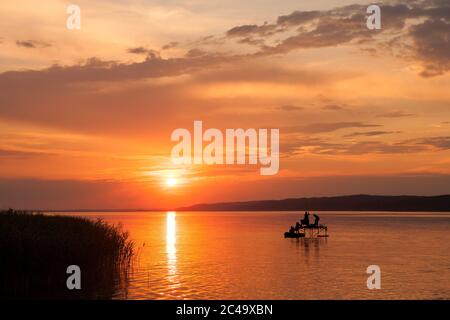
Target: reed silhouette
36	249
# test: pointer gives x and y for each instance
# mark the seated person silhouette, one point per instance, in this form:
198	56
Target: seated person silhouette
316	220
297	227
291	230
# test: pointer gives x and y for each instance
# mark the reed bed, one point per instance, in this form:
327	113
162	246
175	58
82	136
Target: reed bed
36	249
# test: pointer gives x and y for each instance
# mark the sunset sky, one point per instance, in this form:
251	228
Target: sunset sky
86	115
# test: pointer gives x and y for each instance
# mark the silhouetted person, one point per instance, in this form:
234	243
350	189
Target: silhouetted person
316	220
297	227
301	220
291	230
305	220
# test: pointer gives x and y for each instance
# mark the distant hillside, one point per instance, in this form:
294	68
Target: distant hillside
340	203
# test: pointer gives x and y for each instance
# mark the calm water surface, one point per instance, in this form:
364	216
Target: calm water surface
243	255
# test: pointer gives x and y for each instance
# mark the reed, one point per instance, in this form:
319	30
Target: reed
36	249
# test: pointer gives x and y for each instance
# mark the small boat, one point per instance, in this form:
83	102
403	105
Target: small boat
305	229
294	235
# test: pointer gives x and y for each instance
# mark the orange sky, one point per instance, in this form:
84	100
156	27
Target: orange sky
86	115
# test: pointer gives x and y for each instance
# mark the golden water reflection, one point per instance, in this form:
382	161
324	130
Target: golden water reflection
171	251
171	240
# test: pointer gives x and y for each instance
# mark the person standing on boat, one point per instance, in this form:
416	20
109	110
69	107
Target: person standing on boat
305	220
316	220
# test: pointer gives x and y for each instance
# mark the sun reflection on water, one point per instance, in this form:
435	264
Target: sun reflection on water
171	251
171	240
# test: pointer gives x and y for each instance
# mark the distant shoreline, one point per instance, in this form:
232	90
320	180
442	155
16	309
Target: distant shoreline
440	203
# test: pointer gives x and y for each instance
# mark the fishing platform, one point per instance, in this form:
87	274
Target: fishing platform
310	231
305	229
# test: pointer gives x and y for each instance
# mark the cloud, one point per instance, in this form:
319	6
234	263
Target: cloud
327	127
252	29
417	30
138	50
196	53
332	107
328	32
252	41
395	114
369	133
6	153
95	69
109	97
145	98
320	147
170	45
432	45
441	143
329	28
32	44
98	93
298	17
325	147
150	53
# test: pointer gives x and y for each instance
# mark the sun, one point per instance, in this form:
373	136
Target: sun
171	182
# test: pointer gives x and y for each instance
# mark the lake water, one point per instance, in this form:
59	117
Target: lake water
243	255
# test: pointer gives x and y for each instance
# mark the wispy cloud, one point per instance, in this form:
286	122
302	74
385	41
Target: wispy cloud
327	127
32	44
369	133
395	114
324	147
333	107
21	154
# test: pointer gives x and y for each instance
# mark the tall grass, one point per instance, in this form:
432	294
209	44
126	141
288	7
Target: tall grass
36	249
